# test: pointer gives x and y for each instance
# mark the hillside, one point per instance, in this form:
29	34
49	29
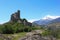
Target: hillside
20	29
47	21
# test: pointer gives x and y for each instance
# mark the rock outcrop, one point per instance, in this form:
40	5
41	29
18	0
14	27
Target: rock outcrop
15	17
35	35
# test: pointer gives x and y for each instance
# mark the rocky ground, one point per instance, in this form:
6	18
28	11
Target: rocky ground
5	37
34	35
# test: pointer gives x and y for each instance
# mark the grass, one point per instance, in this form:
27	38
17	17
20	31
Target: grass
37	28
16	36
1	39
19	35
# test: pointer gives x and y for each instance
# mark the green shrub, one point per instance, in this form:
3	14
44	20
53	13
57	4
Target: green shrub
1	27
8	29
54	33
46	33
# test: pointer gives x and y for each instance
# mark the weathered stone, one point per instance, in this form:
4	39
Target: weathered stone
16	18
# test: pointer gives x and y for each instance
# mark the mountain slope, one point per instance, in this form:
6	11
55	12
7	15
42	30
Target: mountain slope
57	20
47	21
42	21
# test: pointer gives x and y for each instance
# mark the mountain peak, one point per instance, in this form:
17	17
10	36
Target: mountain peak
50	17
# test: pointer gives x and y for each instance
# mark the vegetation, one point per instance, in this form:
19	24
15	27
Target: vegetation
16	36
9	28
20	30
15	28
54	33
1	39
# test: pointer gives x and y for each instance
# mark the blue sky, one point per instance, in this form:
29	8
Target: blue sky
30	9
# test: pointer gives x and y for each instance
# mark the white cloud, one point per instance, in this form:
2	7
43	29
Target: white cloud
49	16
32	20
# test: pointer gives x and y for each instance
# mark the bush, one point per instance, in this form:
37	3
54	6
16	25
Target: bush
1	27
54	33
47	33
8	29
27	29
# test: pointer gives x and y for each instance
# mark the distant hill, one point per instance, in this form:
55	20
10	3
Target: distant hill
57	20
54	23
48	21
42	21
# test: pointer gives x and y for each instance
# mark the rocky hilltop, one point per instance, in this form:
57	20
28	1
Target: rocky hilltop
15	17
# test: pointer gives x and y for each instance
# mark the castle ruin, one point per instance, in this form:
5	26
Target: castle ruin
15	17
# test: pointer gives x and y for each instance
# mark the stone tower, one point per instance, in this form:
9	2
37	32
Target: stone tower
18	13
15	16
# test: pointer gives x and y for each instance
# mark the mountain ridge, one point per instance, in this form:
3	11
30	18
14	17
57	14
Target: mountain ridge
47	21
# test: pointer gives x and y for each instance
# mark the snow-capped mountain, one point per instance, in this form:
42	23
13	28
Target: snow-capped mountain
57	20
42	21
47	19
